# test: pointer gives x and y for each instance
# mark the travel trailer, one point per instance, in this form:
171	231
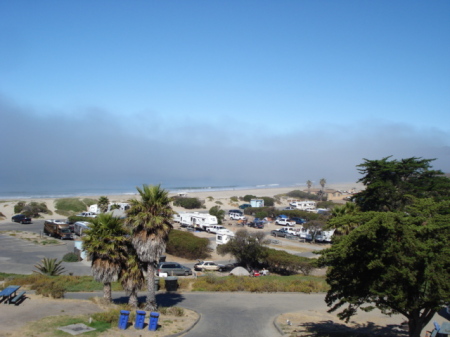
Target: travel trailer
324	236
306	205
80	226
223	238
197	220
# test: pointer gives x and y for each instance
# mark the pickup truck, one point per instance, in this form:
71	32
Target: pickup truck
282	232
284	222
236	216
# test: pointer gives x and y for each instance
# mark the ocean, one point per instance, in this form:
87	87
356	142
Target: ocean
33	191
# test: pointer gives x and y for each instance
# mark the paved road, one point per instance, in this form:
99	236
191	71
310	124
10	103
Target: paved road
19	256
233	314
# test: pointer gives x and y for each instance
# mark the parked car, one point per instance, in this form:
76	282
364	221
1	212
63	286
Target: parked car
173	268
298	220
289	208
244	206
238	211
282	232
21	218
208	266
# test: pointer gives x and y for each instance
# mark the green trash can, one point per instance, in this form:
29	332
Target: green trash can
171	283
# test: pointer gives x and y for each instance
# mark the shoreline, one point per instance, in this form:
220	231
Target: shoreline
209	196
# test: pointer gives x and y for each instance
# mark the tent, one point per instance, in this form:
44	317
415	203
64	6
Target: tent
240	271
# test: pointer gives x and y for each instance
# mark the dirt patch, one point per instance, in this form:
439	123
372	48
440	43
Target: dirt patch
33	317
309	323
35	238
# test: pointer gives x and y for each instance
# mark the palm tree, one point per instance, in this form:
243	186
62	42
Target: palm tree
309	184
105	242
132	275
346	227
149	219
322	183
103	203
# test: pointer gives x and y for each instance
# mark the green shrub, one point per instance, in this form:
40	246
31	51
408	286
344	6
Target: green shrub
297	194
188	203
75	218
19	207
88	201
234	199
32	209
249	197
70	204
282	262
71	257
187	245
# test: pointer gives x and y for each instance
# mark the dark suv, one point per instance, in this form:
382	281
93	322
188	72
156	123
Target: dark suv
21	218
173	269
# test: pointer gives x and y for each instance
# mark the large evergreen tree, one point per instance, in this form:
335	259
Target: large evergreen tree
398	262
390	183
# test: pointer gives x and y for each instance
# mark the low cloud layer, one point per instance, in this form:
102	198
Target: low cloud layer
94	146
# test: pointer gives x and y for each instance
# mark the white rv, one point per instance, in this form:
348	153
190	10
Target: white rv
223	238
324	236
197	220
306	205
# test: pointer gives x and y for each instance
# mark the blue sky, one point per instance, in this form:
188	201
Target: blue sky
215	92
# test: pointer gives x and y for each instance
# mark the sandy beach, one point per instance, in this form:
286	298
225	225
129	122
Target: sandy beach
210	197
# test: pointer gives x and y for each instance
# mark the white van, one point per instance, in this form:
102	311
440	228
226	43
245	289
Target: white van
80	226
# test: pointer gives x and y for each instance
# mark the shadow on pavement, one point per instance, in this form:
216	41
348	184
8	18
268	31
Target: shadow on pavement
333	329
168	299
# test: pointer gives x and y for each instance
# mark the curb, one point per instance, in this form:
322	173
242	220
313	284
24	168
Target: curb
188	329
277	326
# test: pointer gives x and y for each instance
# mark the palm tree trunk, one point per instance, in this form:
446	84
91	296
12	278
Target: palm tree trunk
150	304
133	299
107	291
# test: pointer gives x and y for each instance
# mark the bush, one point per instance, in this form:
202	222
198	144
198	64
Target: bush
32	209
188	203
88	201
71	257
249	197
284	263
302	195
187	245
70	204
75	218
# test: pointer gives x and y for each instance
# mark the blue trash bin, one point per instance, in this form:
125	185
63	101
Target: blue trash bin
123	319
140	319
153	324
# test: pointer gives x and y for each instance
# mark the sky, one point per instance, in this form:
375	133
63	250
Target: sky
213	93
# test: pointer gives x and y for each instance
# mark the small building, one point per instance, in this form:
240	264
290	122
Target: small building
257	202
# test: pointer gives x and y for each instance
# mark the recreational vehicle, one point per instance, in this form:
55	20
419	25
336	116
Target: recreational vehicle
224	238
197	220
80	226
306	205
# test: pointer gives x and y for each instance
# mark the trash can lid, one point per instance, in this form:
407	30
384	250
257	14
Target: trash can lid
171	278
154	314
140	312
124	312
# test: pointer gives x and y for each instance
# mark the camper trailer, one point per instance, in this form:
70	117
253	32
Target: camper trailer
324	236
80	226
223	238
306	205
197	220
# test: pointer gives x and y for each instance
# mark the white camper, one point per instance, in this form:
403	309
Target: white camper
223	238
306	205
197	220
324	236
